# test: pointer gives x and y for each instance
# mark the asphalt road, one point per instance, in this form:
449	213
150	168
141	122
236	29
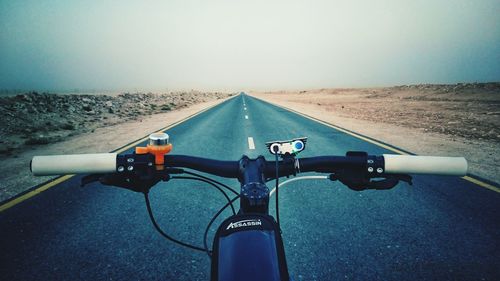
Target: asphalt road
439	228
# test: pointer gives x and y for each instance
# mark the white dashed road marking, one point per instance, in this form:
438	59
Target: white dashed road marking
251	144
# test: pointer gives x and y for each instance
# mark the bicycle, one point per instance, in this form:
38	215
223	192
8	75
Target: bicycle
248	244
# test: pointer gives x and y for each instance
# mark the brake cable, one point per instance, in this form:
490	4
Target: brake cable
212	184
277	188
212	180
297	179
157	227
205	236
203	179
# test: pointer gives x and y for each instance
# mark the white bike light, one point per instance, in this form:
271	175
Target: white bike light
291	147
298	146
275	147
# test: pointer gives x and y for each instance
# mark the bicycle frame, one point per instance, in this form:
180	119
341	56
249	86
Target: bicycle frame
249	246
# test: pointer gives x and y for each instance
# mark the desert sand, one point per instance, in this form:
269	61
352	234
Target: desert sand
445	120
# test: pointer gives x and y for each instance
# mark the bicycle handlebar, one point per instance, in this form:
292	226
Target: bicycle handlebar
99	163
411	164
227	169
392	164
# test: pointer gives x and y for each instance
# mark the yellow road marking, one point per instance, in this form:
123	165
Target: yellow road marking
34	192
467	178
482	184
59	180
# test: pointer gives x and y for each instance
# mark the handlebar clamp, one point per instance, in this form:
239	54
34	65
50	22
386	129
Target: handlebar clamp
135	172
359	178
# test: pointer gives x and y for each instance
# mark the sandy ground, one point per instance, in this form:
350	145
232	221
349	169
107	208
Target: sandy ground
92	137
445	120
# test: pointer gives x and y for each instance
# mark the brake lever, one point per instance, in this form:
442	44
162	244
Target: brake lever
389	182
133	182
137	182
130	182
363	183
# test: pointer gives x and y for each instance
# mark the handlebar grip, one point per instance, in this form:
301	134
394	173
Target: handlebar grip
412	164
73	164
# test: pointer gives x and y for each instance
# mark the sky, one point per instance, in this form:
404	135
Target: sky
238	45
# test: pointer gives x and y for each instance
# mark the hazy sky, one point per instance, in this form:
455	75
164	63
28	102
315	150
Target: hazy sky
234	45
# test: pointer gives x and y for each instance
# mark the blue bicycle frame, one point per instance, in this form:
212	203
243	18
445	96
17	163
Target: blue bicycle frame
248	246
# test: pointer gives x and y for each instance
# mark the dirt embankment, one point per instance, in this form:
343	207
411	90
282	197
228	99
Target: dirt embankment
36	119
459	119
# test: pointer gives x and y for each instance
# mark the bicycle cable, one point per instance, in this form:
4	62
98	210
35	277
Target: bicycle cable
205	236
203	179
298	179
209	182
277	188
157	227
212	180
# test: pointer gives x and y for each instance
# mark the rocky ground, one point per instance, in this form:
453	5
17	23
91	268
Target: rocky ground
47	124
455	120
34	119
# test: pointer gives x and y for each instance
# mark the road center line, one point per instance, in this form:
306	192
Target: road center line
251	144
246	116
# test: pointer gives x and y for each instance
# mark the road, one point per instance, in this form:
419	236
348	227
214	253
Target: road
439	228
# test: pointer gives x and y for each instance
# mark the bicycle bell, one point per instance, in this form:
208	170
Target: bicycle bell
157	139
